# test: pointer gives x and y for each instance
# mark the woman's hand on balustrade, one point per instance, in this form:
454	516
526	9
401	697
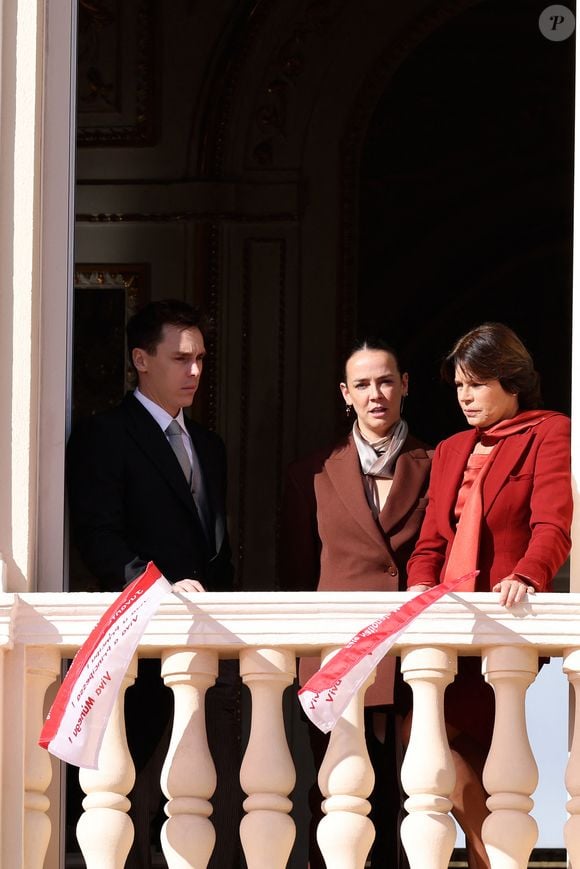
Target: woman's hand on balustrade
512	590
188	585
422	587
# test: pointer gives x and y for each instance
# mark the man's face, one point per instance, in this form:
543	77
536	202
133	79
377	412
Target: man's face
170	376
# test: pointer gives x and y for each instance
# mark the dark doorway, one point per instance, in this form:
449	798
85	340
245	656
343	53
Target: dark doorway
466	201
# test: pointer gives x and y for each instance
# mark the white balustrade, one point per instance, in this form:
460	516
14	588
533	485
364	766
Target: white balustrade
104	830
267	631
571	666
428	774
510	774
346	779
41	671
267	772
188	779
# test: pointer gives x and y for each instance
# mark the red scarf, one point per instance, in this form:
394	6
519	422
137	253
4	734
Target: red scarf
465	547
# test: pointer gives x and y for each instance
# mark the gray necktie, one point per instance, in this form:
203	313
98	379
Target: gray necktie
173	432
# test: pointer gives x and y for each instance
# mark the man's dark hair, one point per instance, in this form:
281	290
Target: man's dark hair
144	329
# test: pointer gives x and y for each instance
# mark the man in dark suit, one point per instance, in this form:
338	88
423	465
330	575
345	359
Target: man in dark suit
145	483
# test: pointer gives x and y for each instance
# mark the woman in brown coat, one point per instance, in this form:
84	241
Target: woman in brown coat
350	519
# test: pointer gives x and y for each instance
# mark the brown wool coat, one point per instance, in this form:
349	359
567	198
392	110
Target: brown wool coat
331	542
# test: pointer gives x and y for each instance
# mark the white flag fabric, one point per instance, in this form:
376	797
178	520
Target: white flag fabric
327	693
75	726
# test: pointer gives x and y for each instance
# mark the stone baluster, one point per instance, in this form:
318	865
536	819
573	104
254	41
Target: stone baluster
510	774
428	773
104	830
267	773
571	666
42	669
188	778
346	778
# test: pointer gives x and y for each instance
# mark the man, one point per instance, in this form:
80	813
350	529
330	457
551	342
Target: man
147	484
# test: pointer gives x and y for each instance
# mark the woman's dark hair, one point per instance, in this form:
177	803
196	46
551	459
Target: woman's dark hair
493	351
373	343
145	328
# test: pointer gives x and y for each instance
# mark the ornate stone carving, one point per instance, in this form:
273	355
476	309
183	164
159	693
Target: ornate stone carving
115	73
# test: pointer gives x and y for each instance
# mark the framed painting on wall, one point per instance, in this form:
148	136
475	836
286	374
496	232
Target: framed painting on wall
105	296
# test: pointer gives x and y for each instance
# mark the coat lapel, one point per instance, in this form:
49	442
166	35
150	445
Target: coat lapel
411	471
452	475
343	469
509	451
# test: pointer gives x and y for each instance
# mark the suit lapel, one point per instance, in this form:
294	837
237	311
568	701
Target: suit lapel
343	469
211	480
151	440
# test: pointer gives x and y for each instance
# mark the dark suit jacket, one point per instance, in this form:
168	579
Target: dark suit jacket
129	502
527	507
330	540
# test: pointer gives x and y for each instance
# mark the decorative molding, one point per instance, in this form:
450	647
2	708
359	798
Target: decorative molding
115	91
269	119
219	114
183	216
282	77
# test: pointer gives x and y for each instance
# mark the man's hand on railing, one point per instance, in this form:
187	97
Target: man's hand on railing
188	585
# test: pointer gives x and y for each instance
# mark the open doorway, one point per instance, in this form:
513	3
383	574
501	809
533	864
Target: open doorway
208	167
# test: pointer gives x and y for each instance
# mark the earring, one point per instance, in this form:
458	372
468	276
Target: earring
348	410
403	397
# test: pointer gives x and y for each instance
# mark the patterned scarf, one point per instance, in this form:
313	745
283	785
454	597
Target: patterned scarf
378	459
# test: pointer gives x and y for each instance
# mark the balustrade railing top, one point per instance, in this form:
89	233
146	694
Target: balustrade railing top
303	622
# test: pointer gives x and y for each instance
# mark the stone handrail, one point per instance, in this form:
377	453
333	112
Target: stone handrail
267	631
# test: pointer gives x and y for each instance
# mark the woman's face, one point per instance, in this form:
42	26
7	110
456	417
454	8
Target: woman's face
483	402
374	389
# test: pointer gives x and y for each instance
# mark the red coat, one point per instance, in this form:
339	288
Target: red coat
527	507
331	541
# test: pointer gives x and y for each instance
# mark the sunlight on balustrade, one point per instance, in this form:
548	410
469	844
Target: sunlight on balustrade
267	632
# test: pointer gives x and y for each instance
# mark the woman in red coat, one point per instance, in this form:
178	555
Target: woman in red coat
500	501
351	516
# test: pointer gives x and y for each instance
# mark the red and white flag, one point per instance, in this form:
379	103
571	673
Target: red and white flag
75	726
325	696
